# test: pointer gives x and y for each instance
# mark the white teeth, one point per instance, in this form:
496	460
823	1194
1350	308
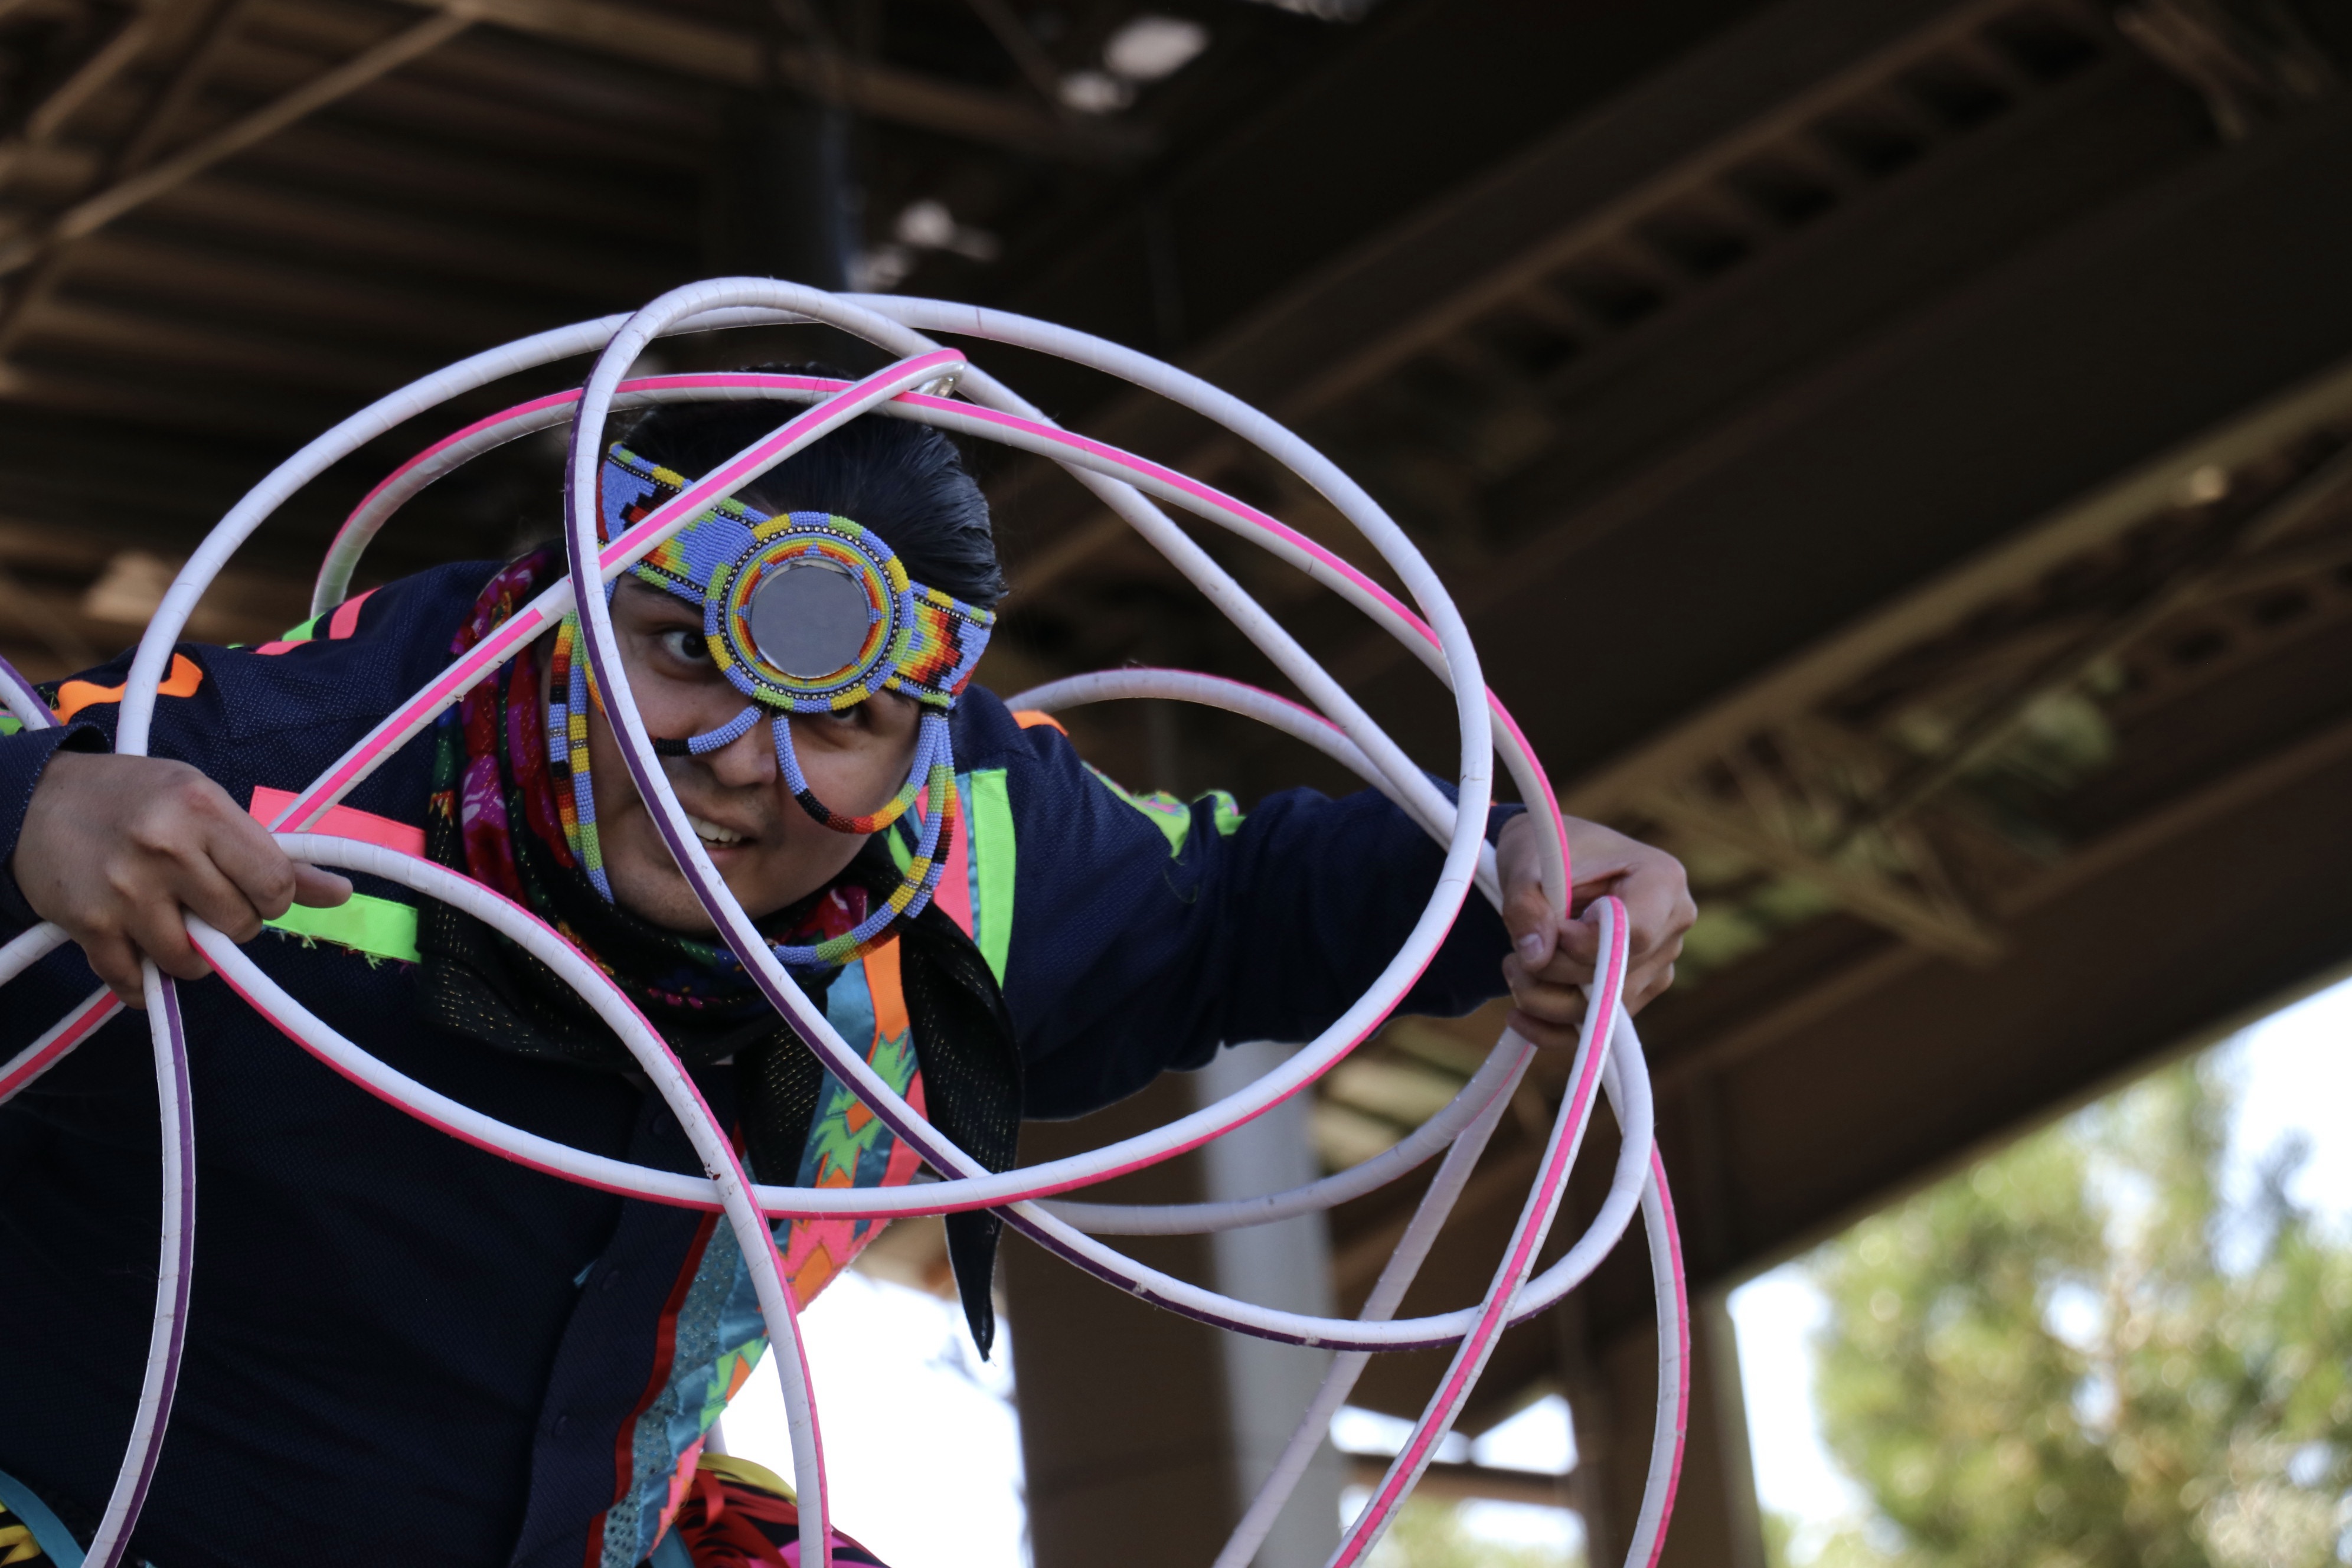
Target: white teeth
711	832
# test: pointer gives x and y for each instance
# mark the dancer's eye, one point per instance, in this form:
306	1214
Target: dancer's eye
680	643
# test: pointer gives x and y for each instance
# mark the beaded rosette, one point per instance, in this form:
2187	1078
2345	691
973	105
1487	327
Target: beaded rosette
810	613
916	640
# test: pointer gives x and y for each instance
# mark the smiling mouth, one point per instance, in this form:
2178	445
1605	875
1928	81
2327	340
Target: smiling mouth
712	835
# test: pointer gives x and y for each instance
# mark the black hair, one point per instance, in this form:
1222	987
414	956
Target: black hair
905	481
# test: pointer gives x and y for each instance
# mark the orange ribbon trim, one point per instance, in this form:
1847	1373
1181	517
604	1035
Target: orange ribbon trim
76	695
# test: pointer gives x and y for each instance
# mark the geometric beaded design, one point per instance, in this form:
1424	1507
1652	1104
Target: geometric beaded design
920	641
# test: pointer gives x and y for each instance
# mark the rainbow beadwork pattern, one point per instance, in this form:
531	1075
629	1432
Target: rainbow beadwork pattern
567	754
921	642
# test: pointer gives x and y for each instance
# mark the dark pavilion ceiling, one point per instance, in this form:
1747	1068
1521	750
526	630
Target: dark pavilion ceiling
1891	450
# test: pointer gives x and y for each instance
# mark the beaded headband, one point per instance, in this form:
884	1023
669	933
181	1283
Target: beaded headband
805	612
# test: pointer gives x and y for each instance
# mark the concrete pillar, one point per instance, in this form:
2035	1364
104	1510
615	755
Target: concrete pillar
1593	1432
1144	1434
1123	1419
1287	1265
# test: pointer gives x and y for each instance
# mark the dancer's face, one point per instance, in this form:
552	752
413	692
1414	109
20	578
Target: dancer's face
770	850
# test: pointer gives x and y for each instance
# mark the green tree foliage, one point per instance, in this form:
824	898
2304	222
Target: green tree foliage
2079	1355
1430	1534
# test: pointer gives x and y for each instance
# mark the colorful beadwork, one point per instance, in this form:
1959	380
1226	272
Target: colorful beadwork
920	641
931	740
567	752
933	765
801	541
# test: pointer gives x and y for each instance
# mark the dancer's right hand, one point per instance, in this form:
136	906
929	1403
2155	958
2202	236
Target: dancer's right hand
113	849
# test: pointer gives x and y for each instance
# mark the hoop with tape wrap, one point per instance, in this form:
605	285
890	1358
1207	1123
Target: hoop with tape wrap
1607	1054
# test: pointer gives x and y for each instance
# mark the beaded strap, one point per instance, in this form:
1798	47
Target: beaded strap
931	770
567	754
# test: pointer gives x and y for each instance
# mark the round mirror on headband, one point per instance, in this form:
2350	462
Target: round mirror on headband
811	619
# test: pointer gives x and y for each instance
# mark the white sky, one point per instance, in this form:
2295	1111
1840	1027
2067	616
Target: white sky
1537	1438
920	1444
924	1452
2295	1071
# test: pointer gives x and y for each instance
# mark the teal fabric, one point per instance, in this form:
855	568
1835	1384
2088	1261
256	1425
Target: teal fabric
55	1541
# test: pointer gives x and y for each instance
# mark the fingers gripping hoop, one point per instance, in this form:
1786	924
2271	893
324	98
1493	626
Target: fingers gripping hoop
1608	1058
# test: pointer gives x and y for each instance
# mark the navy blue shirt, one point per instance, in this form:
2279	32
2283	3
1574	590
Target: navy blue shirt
401	1347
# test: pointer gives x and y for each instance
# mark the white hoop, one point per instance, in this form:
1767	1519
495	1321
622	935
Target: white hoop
1607	1056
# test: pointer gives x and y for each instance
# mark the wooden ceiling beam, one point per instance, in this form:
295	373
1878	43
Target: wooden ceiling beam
438	106
56	631
1584	189
1807	816
690	48
211	24
49	177
96	211
1832	451
513	67
357	163
497	100
359	227
236	208
374	163
140	337
2067	668
210	282
1862	889
2011	567
214	28
87	80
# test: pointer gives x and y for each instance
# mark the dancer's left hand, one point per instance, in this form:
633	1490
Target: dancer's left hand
1552	959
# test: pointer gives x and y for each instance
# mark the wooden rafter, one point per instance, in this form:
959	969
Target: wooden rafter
1939	925
1606	236
50	118
1818	672
691	48
1036	64
96	211
1856	838
216	22
1998	722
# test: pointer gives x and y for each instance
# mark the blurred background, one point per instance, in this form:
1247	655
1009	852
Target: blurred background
1891	452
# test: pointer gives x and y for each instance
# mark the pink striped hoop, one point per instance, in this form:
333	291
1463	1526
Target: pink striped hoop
1608	1059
